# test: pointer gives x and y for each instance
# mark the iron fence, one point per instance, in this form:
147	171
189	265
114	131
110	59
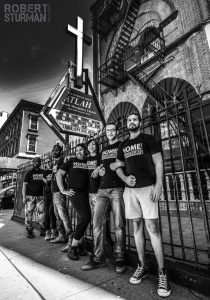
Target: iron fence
183	129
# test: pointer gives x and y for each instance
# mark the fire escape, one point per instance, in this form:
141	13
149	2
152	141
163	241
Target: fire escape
112	72
138	59
108	13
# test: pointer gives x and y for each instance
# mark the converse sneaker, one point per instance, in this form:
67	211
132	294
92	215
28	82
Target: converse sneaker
139	274
47	235
73	253
163	284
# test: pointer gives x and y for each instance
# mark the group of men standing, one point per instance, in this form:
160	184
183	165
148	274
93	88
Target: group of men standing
125	178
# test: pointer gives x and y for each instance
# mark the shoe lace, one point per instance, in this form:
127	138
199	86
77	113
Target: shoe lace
163	281
139	271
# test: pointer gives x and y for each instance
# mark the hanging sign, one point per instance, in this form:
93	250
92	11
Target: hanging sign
75	113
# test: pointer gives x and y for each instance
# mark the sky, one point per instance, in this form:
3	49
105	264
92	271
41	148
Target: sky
34	55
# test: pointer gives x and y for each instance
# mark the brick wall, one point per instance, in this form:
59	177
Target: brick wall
191	58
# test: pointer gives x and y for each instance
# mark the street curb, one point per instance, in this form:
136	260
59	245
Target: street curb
188	276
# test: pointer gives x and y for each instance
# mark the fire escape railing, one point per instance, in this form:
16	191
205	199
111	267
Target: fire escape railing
107	16
145	46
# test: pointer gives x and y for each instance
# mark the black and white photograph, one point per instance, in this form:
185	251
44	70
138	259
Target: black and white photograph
104	149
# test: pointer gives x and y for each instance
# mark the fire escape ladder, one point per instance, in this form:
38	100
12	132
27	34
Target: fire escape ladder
112	71
127	28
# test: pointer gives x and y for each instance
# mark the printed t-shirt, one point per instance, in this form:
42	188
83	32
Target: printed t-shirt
35	185
137	155
77	173
110	178
92	163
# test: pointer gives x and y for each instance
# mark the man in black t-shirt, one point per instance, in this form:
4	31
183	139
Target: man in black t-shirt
76	169
109	197
33	188
50	218
94	165
59	200
140	155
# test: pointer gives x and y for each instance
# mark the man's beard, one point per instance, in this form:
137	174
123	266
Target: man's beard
134	129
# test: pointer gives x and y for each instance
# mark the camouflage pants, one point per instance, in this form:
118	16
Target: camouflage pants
34	205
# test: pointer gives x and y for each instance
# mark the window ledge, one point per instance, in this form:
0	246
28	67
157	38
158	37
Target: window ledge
30	152
31	129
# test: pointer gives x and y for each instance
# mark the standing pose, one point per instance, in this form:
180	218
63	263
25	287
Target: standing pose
49	218
94	164
59	200
109	197
77	171
33	188
143	173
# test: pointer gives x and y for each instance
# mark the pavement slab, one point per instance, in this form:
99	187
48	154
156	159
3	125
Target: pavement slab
35	269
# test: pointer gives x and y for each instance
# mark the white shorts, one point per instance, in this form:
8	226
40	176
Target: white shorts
138	203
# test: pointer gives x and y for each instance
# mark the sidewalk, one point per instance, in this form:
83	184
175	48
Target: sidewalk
35	269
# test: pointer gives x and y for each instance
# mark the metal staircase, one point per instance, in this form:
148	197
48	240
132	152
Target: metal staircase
112	72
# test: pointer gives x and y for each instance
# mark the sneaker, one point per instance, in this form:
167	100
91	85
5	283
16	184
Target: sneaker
93	264
30	234
73	253
47	235
139	274
53	234
58	239
163	284
82	250
120	267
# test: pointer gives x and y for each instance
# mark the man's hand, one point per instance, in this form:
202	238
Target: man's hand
156	193
130	180
95	173
70	192
102	172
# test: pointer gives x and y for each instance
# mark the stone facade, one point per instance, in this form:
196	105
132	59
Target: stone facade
191	55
